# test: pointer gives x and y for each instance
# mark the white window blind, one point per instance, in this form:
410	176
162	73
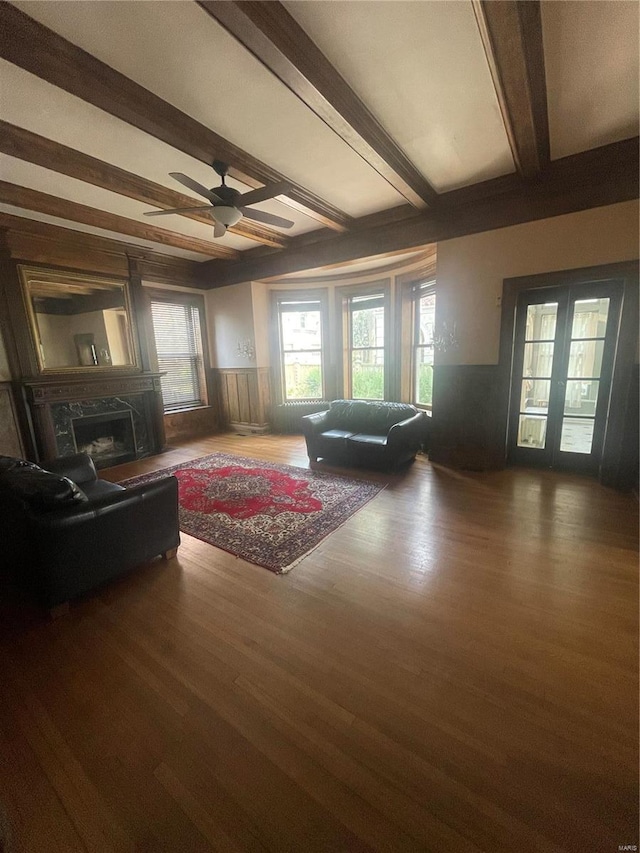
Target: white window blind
179	347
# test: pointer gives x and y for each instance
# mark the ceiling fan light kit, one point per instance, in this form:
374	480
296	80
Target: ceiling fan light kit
226	215
228	206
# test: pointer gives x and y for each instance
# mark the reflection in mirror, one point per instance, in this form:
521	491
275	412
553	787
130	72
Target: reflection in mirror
78	322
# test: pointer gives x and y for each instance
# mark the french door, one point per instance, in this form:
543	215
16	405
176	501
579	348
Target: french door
564	351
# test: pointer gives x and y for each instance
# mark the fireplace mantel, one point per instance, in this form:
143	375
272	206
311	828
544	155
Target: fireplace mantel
55	404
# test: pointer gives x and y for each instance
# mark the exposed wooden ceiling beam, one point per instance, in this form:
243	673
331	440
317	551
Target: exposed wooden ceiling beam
30	239
54	206
34	47
28	146
511	32
599	177
275	38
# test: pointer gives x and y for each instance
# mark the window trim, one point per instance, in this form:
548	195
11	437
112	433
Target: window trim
418	291
408	287
343	296
321	296
174	297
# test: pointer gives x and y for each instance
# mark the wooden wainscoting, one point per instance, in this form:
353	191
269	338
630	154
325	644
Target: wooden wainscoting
10	438
183	426
245	397
469	420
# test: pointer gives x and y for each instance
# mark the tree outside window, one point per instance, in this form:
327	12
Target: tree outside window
424	322
367	333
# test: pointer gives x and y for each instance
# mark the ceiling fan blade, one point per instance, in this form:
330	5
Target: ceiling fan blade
267	218
186	181
264	193
219	230
177	210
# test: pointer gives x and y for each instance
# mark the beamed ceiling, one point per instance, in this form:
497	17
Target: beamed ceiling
395	124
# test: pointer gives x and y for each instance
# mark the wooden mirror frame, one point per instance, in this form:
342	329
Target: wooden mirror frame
30	274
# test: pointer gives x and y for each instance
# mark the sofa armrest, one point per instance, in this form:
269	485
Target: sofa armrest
79	468
412	431
315	423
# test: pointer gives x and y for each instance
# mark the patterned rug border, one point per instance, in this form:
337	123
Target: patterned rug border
371	490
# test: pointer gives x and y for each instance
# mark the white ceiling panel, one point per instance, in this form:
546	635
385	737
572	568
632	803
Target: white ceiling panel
177	51
101	232
36	105
591	63
420	67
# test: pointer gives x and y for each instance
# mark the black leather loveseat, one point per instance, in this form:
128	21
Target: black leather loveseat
64	532
370	434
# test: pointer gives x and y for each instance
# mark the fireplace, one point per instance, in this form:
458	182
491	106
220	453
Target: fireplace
108	438
114	419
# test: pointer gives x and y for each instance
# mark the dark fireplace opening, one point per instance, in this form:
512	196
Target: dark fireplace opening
109	439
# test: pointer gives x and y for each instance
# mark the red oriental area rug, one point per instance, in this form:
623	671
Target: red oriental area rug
269	514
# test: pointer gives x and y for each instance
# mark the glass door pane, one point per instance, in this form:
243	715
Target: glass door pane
535	383
586	348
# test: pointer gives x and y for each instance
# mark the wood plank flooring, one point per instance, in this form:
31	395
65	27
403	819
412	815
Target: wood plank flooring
454	669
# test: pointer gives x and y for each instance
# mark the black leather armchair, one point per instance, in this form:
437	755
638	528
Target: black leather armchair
65	532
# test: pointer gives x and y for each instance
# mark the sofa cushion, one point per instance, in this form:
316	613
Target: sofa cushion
41	490
363	438
368	417
337	434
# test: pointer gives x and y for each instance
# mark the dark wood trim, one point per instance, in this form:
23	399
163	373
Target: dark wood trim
143	323
55	206
11	440
40	242
604	176
39	50
511	32
28	146
274	37
613	469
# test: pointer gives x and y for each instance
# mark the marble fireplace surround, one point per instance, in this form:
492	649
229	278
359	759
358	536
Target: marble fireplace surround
56	407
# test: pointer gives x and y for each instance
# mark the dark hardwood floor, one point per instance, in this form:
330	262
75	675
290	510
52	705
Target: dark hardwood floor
454	669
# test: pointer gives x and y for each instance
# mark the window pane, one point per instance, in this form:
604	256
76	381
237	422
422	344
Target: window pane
301	330
532	431
581	397
367	327
179	346
534	395
303	375
585	359
590	318
538	359
577	435
427	309
367	374
541	322
424	376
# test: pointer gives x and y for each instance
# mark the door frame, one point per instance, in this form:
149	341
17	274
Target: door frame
614	468
565	295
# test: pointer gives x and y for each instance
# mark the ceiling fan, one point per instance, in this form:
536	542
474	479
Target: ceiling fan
227	206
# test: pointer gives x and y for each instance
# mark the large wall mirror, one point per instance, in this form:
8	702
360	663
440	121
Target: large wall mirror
78	322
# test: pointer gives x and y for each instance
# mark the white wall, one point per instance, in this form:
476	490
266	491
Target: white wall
230	322
471	269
